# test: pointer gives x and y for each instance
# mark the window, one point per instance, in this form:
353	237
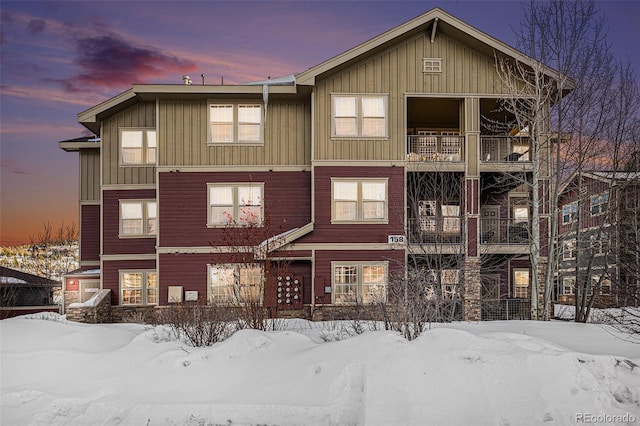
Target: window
138	288
605	284
599	204
362	200
359	116
521	283
137	147
520	214
235	122
359	282
569	249
431	65
235	284
568	285
569	213
138	218
599	243
235	204
435	217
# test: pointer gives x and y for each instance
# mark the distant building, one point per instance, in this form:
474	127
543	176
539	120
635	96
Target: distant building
24	293
599	235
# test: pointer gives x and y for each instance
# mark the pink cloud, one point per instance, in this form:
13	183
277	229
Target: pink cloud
11	166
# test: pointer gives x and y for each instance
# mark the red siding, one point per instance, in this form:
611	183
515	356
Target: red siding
110	272
89	233
190	271
472	236
324	231
324	259
112	244
183	205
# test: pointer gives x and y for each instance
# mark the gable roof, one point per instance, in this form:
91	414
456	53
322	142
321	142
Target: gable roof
434	21
601	175
13	276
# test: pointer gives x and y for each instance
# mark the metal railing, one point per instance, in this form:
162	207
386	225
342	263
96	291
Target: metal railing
503	231
504	149
505	309
435	148
432	230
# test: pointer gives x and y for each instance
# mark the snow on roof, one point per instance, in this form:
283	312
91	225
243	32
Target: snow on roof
617	175
12	280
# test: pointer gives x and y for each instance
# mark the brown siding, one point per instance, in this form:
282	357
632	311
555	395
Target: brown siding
110	274
182	132
112	244
89	233
140	115
324	231
183	205
396	71
323	261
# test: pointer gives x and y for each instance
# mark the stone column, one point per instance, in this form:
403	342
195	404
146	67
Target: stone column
471	289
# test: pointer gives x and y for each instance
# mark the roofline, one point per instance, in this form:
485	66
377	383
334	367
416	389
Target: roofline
308	77
592	174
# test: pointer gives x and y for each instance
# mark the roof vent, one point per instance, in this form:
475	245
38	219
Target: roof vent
187	80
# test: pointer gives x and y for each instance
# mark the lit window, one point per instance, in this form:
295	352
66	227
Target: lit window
521	283
604	282
359	116
359	282
230	123
569	213
138	218
599	204
447	279
235	284
139	288
363	200
235	204
137	147
431	65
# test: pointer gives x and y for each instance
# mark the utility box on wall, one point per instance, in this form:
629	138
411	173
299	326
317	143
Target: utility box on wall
289	292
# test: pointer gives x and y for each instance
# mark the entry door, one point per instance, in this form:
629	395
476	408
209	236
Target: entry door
88	288
489	224
490	289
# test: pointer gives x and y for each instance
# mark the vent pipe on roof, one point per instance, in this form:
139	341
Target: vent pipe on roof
187	81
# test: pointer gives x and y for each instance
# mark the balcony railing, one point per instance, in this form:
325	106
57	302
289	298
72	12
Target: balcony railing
505	309
503	231
431	230
435	148
501	149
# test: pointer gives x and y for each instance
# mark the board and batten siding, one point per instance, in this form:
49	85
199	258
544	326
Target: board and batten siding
139	115
397	71
182	137
89	175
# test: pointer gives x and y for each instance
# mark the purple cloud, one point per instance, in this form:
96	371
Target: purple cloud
109	61
11	166
36	26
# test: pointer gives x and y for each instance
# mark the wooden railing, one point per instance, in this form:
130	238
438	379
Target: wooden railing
435	148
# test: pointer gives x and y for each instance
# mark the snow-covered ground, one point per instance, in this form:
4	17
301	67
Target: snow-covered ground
55	372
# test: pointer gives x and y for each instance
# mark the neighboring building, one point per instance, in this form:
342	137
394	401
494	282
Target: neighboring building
599	234
24	293
333	181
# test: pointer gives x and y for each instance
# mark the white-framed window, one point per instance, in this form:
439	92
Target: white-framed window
359	116
138	146
569	213
521	281
235	283
235	122
568	285
520	214
431	65
138	218
599	204
138	288
436	217
359	200
364	282
569	249
599	243
235	204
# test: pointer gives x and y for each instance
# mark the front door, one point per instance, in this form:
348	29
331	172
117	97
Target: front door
88	288
489	224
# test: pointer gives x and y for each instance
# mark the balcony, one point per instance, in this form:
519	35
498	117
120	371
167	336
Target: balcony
504	149
503	232
431	230
435	148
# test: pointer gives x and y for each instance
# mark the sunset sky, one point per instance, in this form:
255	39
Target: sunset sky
59	58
